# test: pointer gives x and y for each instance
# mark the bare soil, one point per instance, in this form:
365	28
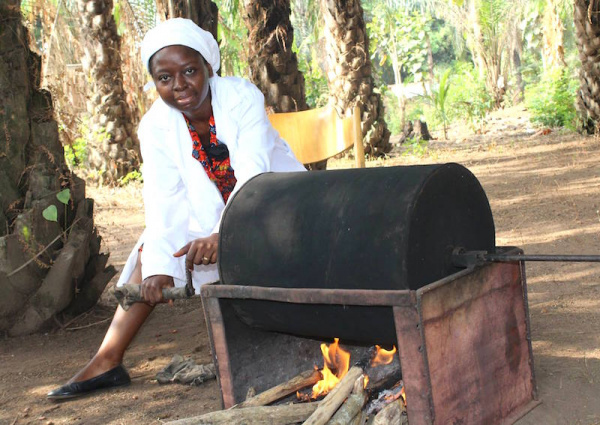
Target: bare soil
544	190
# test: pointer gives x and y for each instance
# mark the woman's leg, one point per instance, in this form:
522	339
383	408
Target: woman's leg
123	328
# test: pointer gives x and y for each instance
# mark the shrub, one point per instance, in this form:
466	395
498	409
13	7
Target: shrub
552	100
469	98
392	111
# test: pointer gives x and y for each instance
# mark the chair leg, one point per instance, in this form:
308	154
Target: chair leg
359	149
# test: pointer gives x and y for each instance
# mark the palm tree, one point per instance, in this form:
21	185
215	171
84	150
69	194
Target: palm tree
349	71
553	52
113	145
272	63
50	249
202	12
587	28
489	29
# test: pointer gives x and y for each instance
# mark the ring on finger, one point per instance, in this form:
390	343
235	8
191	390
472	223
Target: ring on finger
205	259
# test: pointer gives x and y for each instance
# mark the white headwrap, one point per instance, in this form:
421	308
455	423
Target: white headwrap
184	32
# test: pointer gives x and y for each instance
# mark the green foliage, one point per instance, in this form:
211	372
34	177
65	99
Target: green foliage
308	36
315	84
438	98
26	232
64	196
76	154
132	176
415	147
399	36
552	100
118	16
50	213
391	111
233	38
469	99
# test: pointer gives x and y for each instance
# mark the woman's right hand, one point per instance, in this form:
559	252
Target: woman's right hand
151	288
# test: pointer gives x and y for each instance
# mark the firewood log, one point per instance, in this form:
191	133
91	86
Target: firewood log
353	405
262	415
385	397
335	398
359	419
392	414
305	379
383	376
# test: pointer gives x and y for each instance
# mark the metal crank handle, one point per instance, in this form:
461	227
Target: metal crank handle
129	294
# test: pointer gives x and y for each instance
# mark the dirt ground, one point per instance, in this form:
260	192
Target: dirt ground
544	190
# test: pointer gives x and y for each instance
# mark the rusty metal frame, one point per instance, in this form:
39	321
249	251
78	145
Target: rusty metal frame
411	311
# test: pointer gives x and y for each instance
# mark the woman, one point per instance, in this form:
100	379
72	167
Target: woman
200	141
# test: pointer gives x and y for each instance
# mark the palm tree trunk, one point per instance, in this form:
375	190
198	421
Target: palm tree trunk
113	144
44	263
478	59
349	71
587	28
204	13
553	53
516	59
272	63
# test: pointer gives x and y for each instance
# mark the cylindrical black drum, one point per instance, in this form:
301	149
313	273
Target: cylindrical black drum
375	228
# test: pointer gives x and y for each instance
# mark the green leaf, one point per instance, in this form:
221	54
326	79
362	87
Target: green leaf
64	196
50	213
26	233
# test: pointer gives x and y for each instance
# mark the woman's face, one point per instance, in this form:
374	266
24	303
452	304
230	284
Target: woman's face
181	78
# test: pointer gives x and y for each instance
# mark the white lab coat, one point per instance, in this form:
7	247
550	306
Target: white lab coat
181	203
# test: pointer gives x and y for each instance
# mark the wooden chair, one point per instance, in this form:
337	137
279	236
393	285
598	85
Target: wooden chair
319	134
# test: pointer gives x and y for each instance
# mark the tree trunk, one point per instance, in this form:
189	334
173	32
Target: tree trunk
272	63
553	52
46	266
587	28
203	12
430	76
349	71
516	57
478	59
112	140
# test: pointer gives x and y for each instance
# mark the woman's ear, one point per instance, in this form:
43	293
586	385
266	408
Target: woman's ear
210	70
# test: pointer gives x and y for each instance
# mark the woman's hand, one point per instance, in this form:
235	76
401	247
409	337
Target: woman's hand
151	288
200	251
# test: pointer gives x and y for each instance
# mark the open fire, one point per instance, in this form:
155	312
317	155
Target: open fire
336	363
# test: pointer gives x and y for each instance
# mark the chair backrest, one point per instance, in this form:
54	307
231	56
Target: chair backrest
319	134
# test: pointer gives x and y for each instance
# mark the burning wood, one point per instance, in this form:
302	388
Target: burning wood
353	405
272	415
299	382
335	367
384	398
335	398
392	414
346	390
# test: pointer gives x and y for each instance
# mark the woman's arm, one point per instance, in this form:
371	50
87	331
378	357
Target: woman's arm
166	208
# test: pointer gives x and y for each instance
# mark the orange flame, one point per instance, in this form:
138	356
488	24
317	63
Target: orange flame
383	356
336	365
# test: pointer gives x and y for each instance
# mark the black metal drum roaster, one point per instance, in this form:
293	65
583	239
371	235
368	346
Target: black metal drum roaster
375	228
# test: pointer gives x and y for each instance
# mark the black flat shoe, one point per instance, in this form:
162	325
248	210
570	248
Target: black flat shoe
113	378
